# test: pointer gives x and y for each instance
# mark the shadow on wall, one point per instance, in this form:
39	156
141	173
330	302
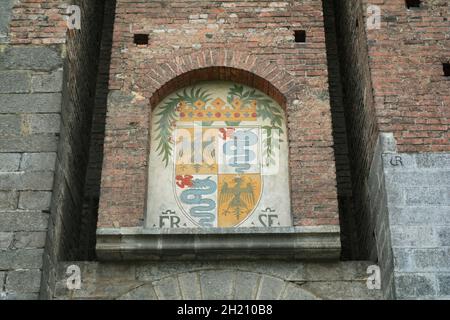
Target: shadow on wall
94	167
341	150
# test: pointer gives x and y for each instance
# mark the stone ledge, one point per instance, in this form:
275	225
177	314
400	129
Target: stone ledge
302	243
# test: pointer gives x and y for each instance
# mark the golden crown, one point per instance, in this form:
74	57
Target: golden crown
217	110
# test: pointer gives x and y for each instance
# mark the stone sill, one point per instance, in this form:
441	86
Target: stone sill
302	243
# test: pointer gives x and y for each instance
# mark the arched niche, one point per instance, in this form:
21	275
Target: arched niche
218	159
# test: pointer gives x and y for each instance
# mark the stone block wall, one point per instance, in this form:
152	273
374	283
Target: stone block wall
378	214
5	17
409	205
418	200
46	97
30	104
218	280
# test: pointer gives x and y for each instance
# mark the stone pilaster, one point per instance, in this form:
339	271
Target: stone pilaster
410	204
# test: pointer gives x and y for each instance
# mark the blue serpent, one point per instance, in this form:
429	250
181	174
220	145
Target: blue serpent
194	195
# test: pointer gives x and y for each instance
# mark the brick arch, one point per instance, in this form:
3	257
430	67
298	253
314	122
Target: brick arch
233	65
311	159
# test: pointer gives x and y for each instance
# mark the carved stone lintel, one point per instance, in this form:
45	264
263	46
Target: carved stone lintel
305	243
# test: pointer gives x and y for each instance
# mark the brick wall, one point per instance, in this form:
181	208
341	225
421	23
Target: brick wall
185	36
359	114
97	138
39	22
340	138
409	87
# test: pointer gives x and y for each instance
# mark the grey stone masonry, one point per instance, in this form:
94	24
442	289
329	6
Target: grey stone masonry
410	204
30	58
5	17
217	280
418	197
47	94
307	242
30	107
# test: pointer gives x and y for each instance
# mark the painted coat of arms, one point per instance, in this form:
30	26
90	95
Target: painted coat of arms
213	146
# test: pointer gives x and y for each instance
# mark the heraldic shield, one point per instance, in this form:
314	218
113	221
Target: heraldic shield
218	183
218	159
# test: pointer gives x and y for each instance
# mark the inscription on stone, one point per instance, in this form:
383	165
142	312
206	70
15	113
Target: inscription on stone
396	161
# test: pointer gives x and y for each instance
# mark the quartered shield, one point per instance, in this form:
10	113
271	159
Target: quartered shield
217	180
212	144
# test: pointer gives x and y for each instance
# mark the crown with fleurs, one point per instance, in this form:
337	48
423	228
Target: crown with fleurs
217	110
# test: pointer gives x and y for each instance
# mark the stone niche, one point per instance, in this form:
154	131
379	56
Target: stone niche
218	159
218	183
